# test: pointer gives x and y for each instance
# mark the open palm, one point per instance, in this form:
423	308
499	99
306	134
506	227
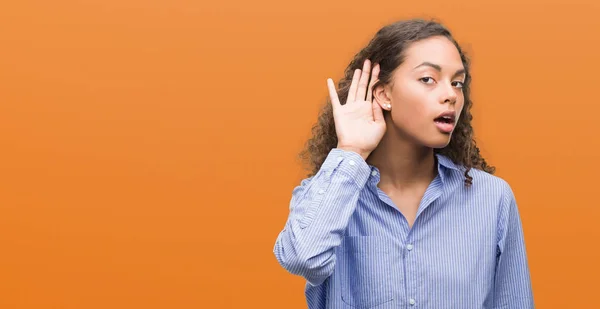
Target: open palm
359	123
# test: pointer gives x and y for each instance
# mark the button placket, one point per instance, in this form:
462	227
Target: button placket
408	258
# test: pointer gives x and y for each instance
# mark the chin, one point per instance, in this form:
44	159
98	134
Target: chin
429	137
438	141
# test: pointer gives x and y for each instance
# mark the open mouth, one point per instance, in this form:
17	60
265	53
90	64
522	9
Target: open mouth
446	119
445	122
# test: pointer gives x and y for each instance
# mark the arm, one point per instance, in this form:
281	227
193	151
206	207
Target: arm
320	209
512	281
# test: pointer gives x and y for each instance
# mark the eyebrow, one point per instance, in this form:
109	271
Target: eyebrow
438	68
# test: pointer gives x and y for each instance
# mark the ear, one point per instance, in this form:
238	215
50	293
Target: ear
382	97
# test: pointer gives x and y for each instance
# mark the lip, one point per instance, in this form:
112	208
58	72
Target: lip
443	126
450	113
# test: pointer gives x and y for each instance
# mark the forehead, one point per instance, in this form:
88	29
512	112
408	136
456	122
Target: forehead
438	50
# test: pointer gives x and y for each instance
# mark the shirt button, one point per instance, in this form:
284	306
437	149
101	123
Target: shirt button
321	191
409	247
351	163
411	302
374	173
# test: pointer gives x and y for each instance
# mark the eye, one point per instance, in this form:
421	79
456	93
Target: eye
426	79
459	84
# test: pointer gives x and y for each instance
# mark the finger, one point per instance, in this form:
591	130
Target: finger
364	81
333	96
374	79
352	90
377	112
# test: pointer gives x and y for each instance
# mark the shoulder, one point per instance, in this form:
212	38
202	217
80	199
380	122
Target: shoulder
487	180
484	181
485	188
493	196
481	180
492	190
484	185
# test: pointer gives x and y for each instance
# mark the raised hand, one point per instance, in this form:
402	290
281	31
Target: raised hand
359	123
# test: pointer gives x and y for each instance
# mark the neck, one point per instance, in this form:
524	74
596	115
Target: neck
402	162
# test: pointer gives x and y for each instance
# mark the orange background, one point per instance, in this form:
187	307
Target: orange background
149	147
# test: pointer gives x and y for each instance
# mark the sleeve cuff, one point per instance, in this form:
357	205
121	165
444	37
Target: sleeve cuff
348	162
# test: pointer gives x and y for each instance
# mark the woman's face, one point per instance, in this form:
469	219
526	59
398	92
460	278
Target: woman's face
427	85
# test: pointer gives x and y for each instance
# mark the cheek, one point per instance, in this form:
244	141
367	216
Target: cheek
410	102
410	110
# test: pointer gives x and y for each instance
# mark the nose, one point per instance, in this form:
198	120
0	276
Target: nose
449	94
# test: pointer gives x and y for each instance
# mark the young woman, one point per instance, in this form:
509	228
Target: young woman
401	210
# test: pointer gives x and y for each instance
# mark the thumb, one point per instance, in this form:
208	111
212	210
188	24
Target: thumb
377	112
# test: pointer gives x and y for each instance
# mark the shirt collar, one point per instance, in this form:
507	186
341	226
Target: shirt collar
445	165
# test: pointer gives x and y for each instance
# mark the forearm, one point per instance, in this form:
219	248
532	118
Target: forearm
320	211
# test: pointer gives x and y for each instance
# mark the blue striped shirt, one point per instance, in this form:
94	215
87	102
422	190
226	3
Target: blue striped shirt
465	250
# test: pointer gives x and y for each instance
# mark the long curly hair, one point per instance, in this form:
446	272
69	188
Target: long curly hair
387	48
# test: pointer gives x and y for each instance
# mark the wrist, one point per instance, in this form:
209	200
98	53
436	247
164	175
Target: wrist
363	153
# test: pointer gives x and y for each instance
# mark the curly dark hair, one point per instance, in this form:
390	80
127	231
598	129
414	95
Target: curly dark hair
387	48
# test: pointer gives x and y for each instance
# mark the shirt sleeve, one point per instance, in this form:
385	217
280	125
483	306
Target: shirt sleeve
513	288
320	209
